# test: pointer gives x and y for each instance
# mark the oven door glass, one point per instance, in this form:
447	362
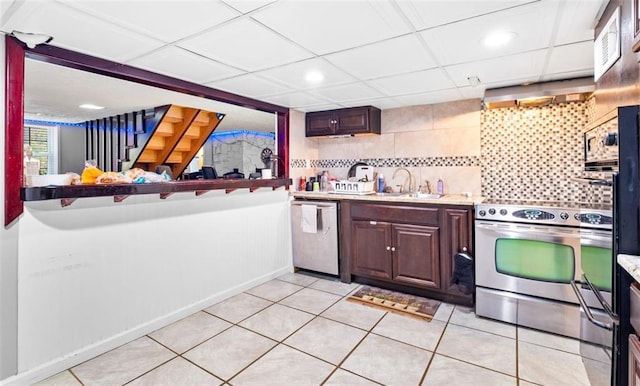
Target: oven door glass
597	266
536	260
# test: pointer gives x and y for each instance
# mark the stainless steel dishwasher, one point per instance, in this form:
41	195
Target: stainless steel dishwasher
314	232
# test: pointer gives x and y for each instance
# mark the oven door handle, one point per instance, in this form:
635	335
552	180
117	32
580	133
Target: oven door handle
587	310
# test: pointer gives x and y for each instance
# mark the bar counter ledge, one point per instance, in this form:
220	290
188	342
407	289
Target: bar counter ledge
67	194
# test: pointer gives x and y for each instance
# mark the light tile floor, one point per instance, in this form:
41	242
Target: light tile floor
300	330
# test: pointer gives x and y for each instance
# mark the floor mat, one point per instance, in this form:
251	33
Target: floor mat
396	302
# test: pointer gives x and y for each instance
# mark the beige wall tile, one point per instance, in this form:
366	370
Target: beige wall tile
413	118
464	141
300	147
456	179
463	113
431	143
370	146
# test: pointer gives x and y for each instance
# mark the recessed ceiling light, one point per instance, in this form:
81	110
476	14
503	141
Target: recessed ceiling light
497	39
89	106
314	76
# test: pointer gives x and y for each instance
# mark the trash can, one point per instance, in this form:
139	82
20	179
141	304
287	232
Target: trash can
463	274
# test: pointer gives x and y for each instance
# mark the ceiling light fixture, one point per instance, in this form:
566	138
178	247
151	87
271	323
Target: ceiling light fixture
31	39
497	39
90	106
314	77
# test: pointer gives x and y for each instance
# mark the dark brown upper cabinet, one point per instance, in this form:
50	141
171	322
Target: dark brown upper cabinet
351	121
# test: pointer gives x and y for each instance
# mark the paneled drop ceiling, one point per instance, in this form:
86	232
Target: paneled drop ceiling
383	53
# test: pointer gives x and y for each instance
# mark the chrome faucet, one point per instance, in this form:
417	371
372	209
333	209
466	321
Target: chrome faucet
411	182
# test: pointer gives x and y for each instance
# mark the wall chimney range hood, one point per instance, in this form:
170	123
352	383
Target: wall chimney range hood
539	94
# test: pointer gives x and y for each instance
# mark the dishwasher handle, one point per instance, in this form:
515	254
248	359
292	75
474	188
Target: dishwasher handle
319	205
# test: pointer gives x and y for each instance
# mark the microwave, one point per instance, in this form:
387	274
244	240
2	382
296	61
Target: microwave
601	145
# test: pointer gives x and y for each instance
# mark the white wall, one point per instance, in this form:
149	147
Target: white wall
8	261
97	274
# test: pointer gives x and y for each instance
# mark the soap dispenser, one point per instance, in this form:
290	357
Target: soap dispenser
440	186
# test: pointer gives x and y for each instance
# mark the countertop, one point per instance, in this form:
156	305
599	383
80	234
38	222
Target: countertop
631	264
447	199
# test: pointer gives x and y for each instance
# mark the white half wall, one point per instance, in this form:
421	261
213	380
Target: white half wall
97	274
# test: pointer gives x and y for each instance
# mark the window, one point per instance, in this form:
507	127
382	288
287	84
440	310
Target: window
43	140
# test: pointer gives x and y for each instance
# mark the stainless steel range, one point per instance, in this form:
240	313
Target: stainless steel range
528	254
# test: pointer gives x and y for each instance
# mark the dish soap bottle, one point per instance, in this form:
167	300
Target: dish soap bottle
380	183
440	186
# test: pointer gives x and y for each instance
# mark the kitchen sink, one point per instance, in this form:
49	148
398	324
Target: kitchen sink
392	194
413	194
432	196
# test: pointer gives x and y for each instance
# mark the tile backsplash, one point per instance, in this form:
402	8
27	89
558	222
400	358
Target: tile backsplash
509	153
532	153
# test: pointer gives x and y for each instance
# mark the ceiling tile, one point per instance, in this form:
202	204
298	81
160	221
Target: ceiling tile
250	85
381	103
348	92
174	61
472	92
323	107
165	20
329	26
571	57
296	100
461	42
577	21
246	6
66	25
427	14
528	65
390	57
294	74
261	48
429	98
415	82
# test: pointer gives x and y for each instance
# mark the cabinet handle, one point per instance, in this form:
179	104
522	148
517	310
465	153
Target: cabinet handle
388	248
393	249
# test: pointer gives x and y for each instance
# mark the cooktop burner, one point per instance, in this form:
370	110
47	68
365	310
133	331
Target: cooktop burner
546	212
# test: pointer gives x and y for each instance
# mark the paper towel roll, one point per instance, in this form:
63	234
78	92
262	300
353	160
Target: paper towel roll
309	218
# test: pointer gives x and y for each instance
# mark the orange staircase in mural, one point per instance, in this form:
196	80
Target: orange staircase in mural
177	138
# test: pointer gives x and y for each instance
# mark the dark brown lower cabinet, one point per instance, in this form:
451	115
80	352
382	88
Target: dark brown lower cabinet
416	255
403	253
407	246
371	257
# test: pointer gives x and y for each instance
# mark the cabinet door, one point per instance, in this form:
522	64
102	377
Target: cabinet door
457	235
353	121
370	256
320	123
416	255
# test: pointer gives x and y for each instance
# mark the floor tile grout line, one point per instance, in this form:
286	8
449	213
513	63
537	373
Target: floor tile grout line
435	349
147	372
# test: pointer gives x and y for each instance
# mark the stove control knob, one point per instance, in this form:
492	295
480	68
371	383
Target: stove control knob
503	212
492	211
564	216
577	216
482	213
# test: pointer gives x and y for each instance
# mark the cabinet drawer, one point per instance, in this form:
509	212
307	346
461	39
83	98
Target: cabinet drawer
396	214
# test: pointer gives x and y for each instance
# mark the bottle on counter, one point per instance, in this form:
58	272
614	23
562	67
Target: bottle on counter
440	187
324	181
380	183
302	184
